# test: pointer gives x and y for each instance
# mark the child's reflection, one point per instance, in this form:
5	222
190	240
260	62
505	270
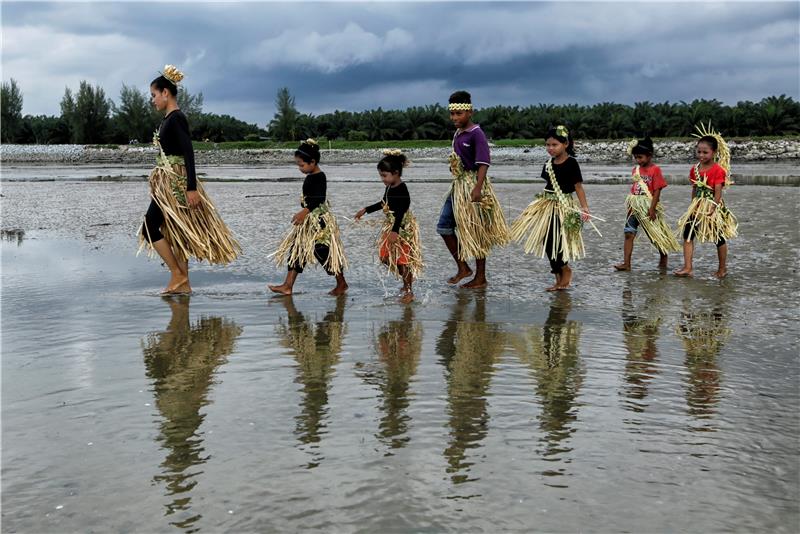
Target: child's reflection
316	347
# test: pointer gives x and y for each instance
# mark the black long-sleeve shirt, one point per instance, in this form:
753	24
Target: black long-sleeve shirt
399	202
176	141
314	188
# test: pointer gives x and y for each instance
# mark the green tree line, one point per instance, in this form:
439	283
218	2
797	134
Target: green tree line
88	116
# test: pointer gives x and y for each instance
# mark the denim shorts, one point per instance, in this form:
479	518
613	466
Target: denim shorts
447	219
632	224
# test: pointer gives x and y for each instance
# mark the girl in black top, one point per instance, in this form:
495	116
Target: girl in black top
181	221
314	235
551	224
399	244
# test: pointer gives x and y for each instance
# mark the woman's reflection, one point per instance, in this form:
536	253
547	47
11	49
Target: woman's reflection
316	347
182	362
469	348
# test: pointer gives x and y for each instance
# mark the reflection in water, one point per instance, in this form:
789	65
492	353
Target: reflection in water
640	332
14	234
552	353
398	345
182	361
468	349
316	348
703	330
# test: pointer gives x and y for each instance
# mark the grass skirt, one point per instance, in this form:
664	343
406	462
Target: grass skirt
705	227
479	225
541	216
297	246
658	232
191	232
407	250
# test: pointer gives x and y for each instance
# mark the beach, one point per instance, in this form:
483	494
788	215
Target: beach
634	402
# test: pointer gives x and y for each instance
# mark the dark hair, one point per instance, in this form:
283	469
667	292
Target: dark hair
643	146
393	163
552	132
710	140
308	152
460	97
162	83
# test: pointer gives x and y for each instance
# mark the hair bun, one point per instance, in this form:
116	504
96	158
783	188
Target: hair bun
172	74
311	142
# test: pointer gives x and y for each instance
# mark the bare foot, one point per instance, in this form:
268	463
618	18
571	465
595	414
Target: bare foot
175	282
459	276
722	273
282	289
475	284
683	272
623	267
340	289
183	289
407	297
566	278
554	287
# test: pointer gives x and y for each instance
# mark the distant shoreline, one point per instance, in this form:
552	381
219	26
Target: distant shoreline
601	152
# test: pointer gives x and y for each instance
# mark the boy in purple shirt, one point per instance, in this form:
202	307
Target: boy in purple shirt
471	221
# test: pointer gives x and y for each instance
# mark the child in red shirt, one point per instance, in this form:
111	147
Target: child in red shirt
707	216
643	206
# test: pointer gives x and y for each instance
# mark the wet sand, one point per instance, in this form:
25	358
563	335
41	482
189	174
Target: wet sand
636	401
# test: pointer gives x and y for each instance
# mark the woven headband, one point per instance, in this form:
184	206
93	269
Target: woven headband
460	107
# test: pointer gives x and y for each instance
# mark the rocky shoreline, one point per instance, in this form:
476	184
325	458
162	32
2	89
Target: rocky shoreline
610	152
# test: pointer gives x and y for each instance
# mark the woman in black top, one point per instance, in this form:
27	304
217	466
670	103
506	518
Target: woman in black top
181	221
551	224
399	244
315	237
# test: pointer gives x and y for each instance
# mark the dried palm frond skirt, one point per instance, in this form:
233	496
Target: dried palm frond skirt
407	250
191	232
544	217
708	228
318	228
479	225
658	232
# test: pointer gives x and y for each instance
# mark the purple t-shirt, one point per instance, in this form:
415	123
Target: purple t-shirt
472	147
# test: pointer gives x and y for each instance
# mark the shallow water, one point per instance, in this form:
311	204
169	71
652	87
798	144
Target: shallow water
634	402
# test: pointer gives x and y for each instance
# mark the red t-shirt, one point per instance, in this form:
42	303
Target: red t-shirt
652	177
714	176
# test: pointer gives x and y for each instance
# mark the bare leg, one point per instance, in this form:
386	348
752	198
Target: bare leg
662	261
286	287
627	251
177	276
480	275
688	252
408	279
722	255
566	277
186	286
451	241
341	286
556	284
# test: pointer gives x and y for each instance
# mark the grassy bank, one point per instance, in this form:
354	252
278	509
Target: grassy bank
444	143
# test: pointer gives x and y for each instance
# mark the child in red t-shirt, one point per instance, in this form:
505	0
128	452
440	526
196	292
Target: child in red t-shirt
707	217
643	206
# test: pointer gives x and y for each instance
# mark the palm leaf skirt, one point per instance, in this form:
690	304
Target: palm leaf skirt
319	227
546	214
480	226
658	232
708	228
192	232
408	247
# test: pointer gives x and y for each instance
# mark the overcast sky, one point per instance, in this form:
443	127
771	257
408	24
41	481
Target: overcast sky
363	55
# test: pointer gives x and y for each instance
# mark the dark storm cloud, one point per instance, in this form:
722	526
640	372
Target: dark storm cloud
364	55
